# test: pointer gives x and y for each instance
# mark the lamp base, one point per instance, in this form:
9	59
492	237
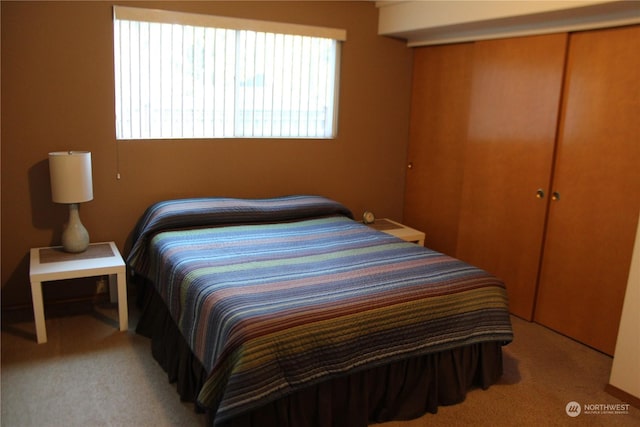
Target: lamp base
75	238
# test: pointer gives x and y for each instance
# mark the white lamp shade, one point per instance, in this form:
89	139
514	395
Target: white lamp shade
70	173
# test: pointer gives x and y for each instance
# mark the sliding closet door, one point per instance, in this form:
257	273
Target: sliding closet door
592	223
439	109
515	99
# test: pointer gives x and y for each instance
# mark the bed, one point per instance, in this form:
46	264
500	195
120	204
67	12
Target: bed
288	312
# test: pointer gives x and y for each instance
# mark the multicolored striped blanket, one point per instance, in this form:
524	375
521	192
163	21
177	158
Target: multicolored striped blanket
280	303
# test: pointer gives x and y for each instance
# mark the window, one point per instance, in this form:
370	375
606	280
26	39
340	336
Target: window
180	75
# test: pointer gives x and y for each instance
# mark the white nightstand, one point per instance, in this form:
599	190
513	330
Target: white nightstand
396	229
52	263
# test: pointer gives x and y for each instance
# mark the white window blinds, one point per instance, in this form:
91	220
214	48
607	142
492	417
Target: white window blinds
180	75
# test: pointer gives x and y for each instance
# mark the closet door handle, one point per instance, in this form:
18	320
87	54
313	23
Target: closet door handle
555	196
540	193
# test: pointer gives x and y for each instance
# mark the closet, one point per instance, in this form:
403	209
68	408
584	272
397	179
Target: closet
440	102
511	130
544	182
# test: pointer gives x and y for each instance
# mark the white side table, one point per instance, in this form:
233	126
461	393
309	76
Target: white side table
399	230
52	263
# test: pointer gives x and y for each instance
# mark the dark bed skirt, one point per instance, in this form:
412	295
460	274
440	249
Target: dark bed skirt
399	391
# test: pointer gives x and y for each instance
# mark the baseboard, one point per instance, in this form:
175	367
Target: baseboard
24	312
623	395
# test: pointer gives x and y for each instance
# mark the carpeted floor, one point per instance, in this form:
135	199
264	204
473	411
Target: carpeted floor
88	373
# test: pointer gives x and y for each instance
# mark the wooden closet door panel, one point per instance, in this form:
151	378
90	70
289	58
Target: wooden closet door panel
438	131
591	228
515	99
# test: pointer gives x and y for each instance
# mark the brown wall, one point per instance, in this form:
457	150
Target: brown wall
57	94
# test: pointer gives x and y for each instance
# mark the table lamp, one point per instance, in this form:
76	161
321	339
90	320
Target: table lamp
71	183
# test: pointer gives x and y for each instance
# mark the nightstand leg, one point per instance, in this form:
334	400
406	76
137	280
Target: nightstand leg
38	311
123	312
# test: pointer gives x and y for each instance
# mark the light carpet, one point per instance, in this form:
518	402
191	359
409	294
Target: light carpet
89	373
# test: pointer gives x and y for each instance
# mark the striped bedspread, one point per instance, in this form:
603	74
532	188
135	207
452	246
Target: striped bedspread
271	307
